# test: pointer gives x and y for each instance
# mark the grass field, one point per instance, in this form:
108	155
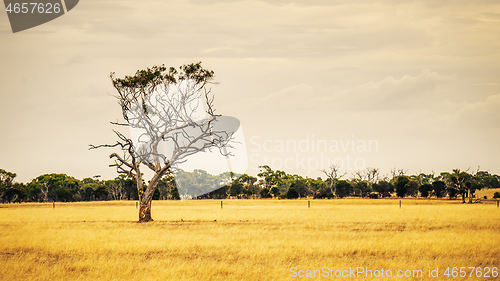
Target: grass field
487	192
246	240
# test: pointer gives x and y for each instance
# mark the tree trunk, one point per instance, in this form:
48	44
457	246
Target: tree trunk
145	211
470	196
145	202
147	197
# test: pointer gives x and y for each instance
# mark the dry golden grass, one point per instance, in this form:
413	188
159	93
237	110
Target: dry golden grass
246	240
487	192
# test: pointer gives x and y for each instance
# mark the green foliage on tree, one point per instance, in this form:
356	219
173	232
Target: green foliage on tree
167	189
361	188
439	188
7	192
425	190
344	188
401	185
383	188
56	187
292	193
487	180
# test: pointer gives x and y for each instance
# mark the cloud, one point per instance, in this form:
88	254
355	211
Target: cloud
295	97
396	68
482	114
390	93
398	94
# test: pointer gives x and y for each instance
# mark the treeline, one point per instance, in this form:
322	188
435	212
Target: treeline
64	188
366	184
268	184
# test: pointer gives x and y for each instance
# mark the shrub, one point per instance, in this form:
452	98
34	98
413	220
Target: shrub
496	195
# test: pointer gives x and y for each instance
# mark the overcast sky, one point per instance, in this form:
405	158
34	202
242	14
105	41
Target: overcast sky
386	84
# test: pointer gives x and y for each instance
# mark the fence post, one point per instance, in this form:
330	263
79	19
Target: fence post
400	204
308	204
497	203
221	204
53	205
136	204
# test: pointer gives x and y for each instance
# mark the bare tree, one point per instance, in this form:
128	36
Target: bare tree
116	190
168	123
358	175
372	175
398	172
333	173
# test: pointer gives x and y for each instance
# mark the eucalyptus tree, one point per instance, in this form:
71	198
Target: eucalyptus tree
169	122
461	182
6	183
334	175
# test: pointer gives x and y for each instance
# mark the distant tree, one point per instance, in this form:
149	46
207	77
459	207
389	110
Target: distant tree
412	188
384	188
88	186
439	188
397	173
116	191
174	193
56	187
344	188
34	193
401	185
250	188
452	191
323	193
127	186
301	187
425	178
487	180
16	193
201	182
168	188
361	188
460	183
363	181
425	190
292	193
315	186
236	188
101	192
275	191
372	177
334	175
273	180
6	184
64	195
265	193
